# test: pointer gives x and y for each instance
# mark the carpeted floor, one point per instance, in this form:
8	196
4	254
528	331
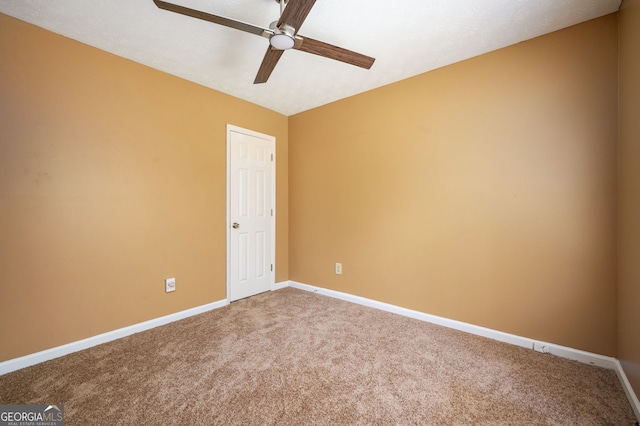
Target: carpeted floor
293	358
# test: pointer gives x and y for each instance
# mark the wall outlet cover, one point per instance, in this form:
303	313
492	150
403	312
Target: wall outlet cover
541	347
169	285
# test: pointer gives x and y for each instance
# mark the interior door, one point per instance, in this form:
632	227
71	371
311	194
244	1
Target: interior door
250	213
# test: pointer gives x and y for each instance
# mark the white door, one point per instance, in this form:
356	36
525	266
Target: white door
250	212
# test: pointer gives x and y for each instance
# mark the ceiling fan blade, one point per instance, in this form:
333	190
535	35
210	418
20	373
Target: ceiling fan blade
330	51
238	25
295	13
269	62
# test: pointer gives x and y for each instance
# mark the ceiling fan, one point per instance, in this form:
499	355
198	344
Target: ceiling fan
282	35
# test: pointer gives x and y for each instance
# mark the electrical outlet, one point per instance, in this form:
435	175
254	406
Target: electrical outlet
541	347
169	285
338	268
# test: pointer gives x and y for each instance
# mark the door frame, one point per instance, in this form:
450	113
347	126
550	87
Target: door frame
272	151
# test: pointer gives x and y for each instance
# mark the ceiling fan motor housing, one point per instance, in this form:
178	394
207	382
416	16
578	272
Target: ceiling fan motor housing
283	38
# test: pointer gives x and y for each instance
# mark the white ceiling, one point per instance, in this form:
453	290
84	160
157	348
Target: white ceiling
407	37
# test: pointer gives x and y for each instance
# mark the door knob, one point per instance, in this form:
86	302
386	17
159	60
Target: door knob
235	225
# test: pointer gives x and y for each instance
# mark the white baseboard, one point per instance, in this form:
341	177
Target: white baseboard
46	355
626	385
280	285
561	351
558	350
564	352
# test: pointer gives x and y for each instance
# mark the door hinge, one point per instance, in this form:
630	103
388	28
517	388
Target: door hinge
271	157
272	267
271	212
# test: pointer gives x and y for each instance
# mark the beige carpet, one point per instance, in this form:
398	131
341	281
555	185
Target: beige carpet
292	358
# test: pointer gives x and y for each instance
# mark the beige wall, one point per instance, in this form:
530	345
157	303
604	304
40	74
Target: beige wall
112	178
484	191
629	228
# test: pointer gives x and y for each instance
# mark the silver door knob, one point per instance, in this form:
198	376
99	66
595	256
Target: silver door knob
235	225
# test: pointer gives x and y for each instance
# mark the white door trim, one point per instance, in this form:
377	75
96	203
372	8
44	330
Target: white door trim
272	151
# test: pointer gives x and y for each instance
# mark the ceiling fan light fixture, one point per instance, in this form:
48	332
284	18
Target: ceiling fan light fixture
282	41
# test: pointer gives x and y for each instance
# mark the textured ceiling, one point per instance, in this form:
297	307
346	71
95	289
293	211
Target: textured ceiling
407	37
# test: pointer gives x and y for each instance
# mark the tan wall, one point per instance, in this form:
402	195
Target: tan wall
629	290
112	178
483	192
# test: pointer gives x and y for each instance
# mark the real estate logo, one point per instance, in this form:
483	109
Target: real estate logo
32	415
